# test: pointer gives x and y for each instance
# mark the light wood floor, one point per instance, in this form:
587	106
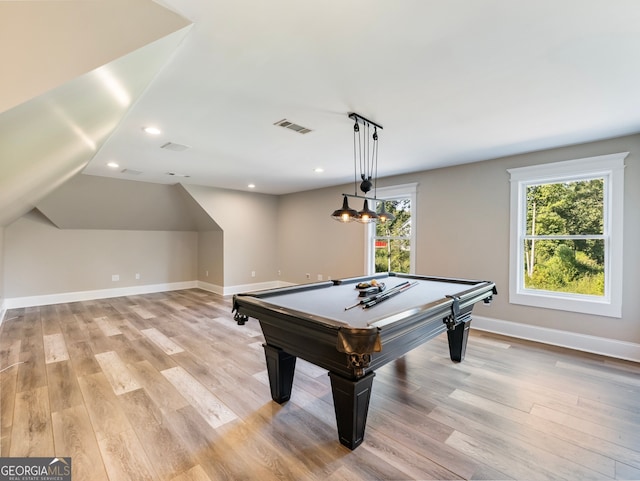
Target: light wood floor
167	387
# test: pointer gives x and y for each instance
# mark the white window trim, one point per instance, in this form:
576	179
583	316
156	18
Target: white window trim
612	168
391	193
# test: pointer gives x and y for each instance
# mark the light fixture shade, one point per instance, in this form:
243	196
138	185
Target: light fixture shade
366	215
345	214
384	216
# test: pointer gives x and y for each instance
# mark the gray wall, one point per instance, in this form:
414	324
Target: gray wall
96	227
211	257
2	294
249	223
41	259
311	242
462	226
124	227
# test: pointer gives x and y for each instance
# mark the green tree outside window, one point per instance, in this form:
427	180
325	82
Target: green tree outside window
564	248
393	239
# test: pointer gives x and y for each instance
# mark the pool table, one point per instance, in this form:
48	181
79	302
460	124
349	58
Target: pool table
312	322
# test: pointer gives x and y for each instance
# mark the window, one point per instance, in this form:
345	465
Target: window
566	235
389	244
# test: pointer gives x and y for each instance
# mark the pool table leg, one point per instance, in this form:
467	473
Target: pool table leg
351	403
281	366
458	340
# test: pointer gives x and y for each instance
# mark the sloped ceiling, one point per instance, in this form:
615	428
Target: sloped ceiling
123	205
68	85
44	44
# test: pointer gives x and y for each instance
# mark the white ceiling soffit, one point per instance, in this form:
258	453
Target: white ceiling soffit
451	81
50	138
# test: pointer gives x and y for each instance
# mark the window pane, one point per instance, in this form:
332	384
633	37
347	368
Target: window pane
566	208
573	266
393	255
401	226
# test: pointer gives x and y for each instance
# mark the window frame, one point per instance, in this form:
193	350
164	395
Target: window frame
611	168
402	191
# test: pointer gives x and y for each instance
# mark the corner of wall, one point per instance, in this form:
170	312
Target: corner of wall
3	309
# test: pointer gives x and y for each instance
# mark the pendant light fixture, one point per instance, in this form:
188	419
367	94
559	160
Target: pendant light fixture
383	215
344	214
365	163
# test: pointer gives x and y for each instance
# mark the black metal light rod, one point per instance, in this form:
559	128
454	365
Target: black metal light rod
357	117
356	196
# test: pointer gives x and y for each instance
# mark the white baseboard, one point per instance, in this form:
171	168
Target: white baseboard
580	342
258	286
229	290
207	286
3	310
47	299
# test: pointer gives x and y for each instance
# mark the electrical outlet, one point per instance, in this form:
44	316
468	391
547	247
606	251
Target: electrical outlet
308	275
319	277
137	275
206	273
253	273
115	277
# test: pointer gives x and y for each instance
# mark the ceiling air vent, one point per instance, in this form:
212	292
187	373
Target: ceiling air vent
175	147
130	172
291	126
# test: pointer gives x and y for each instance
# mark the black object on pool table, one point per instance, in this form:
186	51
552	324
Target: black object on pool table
309	321
371	290
386	295
377	294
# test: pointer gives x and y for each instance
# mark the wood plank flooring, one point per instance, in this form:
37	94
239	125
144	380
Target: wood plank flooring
166	387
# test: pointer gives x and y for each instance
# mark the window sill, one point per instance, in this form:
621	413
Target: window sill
582	304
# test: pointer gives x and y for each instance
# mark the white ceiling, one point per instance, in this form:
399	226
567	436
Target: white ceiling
451	82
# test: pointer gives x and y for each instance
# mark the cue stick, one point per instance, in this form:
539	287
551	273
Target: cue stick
388	295
376	296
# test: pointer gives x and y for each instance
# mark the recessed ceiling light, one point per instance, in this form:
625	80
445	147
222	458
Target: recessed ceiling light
113	165
252	186
152	130
318	170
